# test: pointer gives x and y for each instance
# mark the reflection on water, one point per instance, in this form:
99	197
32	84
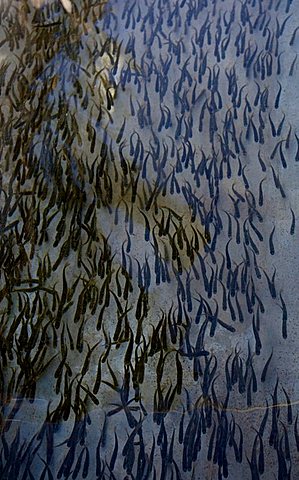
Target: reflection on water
148	240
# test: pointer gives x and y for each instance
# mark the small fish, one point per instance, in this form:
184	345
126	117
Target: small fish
123	162
253	462
258	343
284	317
271	244
271	284
293	37
275	177
261	196
265	369
121	132
231	308
181	427
129	350
283	162
264	421
227	374
280	126
273	129
228	259
179	375
229	230
246	183
278	71
289	414
297	153
261	459
147	226
238	195
292	229
293	66
255	132
236	206
262	164
114	453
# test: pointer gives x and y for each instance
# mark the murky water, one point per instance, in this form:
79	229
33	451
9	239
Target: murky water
148	277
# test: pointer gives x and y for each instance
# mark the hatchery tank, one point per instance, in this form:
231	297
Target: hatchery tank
149	200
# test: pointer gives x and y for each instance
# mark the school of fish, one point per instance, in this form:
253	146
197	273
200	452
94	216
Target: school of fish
146	151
